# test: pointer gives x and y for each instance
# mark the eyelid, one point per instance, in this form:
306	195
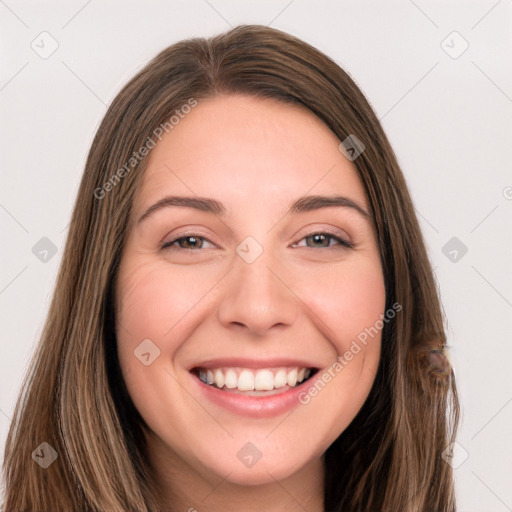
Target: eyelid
193	232
166	245
342	241
336	233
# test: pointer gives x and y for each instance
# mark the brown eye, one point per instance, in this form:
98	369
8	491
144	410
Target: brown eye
186	242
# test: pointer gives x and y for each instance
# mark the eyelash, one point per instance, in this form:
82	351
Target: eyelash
341	241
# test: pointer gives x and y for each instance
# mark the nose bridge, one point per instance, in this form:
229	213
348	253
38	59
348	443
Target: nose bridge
257	294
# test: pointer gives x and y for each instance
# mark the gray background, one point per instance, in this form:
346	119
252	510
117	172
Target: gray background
447	113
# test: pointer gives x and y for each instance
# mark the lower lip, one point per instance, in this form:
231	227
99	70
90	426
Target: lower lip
255	406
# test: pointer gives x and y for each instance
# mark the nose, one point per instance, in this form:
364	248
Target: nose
258	296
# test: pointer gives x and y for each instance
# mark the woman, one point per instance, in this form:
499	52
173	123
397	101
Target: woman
245	316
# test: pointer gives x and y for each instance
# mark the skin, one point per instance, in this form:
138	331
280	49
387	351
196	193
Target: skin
300	298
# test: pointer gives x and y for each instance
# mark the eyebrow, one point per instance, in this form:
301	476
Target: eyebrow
301	205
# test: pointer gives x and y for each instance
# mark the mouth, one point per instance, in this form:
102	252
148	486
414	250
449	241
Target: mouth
254	382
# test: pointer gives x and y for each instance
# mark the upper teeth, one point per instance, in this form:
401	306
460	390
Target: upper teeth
246	379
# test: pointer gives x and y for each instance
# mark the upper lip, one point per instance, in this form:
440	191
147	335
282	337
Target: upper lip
243	362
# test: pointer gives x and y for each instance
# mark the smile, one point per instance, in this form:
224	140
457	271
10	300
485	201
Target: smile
256	382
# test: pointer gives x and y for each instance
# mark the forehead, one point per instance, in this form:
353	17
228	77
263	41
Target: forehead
248	151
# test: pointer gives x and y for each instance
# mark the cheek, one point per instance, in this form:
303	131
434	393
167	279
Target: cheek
156	303
349	301
152	304
148	306
349	305
152	301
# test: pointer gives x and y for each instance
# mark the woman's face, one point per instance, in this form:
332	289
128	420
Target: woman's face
250	293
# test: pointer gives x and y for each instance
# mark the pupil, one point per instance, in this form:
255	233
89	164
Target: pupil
317	238
188	238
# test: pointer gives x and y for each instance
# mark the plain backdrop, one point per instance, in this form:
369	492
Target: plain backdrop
438	75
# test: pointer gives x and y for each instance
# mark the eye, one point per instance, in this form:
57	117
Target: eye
191	242
324	237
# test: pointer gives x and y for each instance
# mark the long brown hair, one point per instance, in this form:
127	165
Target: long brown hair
74	398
